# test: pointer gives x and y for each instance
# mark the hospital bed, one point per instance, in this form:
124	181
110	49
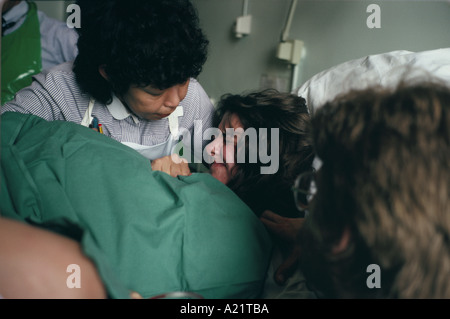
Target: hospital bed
385	70
148	232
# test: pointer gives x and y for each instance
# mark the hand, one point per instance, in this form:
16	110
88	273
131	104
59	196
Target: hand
173	165
135	295
286	232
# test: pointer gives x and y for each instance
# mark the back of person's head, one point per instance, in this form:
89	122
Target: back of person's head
382	194
151	42
270	109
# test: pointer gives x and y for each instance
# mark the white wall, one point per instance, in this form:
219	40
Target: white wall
332	31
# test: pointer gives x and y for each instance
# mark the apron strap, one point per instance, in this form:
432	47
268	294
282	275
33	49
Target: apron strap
173	121
87	119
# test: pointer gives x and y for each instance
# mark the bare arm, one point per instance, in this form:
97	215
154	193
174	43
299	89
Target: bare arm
286	231
34	264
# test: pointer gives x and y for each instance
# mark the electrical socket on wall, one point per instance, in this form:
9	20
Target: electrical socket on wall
291	51
243	26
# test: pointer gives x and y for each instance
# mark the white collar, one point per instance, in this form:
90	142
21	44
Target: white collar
119	111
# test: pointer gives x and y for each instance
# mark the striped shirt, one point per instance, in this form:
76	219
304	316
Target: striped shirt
55	95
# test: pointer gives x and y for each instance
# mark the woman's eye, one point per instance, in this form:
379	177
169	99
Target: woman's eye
153	92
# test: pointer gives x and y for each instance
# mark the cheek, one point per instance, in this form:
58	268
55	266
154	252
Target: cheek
230	168
148	105
142	104
229	153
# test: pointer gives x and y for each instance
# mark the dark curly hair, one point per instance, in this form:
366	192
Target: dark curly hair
271	109
152	42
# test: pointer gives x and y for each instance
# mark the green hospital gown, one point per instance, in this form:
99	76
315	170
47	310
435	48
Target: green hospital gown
145	231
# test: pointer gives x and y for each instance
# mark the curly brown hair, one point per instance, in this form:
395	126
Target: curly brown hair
271	109
385	181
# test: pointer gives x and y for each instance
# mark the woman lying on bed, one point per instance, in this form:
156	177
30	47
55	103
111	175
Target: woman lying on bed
108	225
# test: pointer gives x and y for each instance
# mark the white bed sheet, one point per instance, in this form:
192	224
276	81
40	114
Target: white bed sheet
294	288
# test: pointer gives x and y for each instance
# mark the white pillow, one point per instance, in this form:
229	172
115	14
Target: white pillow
385	69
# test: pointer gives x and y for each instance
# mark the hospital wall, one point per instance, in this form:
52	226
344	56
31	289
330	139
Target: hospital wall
54	8
332	31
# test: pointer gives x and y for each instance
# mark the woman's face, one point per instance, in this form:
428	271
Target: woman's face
154	104
223	151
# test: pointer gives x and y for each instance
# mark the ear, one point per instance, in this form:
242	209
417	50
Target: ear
343	242
102	71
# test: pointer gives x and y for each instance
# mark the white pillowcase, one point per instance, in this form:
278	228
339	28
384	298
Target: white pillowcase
386	69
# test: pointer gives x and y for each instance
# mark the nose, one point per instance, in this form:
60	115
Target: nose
214	149
172	97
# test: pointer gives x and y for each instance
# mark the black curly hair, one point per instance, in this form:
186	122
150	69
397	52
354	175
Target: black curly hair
271	109
152	42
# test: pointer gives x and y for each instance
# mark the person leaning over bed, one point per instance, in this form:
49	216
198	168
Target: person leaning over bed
379	223
265	109
134	74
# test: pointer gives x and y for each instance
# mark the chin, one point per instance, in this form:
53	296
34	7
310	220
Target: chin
220	173
221	178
